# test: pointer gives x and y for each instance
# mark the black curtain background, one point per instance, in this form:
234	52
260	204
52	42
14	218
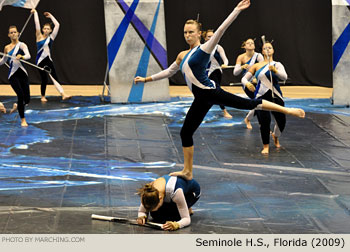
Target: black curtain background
79	50
301	30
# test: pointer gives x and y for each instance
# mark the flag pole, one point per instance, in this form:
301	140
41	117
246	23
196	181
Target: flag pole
26	23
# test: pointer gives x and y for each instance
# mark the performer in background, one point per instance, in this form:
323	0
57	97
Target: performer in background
44	40
268	73
18	76
218	61
243	63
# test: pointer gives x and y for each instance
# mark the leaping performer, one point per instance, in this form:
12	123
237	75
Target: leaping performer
243	64
268	73
168	200
18	77
44	40
193	63
218	61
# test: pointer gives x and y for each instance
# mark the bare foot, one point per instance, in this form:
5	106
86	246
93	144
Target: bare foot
2	108
24	122
14	108
182	174
227	114
66	97
43	99
265	150
247	122
296	112
190	211
276	141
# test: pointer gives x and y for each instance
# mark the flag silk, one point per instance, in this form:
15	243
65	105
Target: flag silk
29	4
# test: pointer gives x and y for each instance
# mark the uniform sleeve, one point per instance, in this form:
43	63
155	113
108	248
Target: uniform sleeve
260	57
170	71
3	60
246	78
37	21
179	199
56	28
223	55
142	211
237	70
281	72
26	55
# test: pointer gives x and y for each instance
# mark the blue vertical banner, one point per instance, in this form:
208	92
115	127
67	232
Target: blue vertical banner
341	51
136	46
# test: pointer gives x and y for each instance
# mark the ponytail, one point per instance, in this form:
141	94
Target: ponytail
149	196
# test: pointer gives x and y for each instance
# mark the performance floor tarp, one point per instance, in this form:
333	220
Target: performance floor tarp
84	157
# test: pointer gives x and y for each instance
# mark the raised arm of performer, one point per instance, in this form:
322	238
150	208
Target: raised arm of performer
209	46
37	25
55	22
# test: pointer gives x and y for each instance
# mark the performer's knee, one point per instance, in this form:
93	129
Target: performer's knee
186	137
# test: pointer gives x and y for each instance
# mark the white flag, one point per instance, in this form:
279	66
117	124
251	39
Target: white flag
29	4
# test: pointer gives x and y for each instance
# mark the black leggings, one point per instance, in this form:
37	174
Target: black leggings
264	118
44	76
216	76
204	99
20	84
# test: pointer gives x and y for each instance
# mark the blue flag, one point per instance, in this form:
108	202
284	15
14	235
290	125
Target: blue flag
29	4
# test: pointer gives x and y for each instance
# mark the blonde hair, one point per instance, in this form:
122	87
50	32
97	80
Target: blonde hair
195	22
149	196
204	34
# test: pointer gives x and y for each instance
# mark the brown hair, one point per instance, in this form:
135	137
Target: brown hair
149	196
243	44
13	26
48	24
267	42
195	22
204	34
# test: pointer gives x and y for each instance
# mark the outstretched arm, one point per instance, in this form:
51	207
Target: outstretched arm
209	46
170	71
55	22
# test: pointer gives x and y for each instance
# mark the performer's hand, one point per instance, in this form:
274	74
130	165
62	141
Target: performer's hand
254	81
242	5
139	79
47	14
223	66
2	108
141	220
171	225
250	86
273	69
19	56
33	11
245	66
